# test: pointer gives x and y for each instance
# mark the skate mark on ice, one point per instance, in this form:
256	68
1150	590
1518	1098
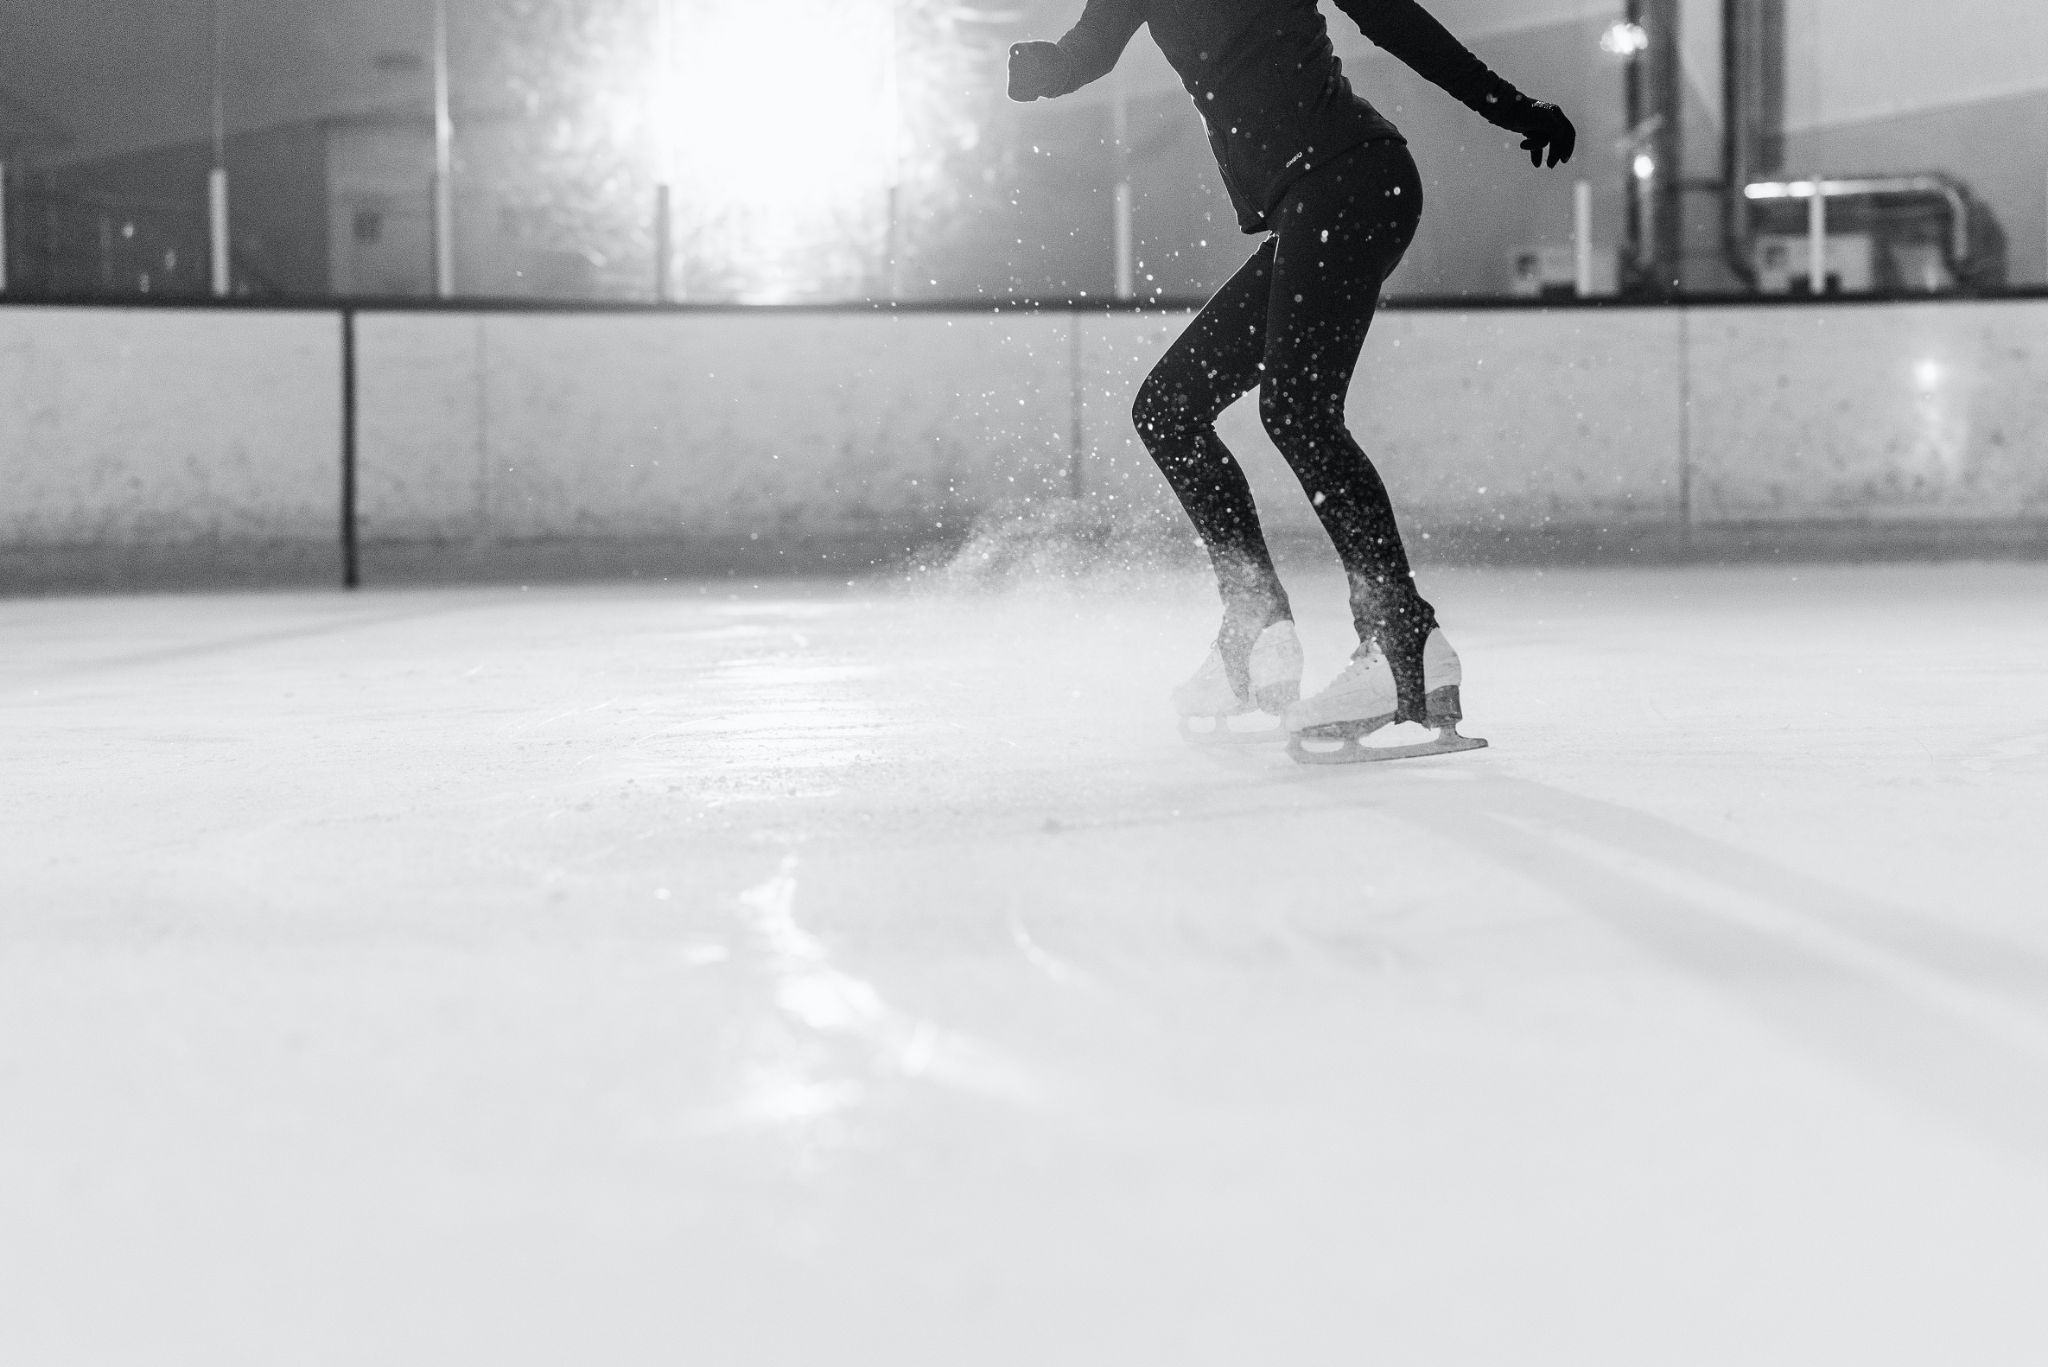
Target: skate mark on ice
226	645
1949	1020
2012	752
1454	795
882	1042
521	728
1982	961
1992	1013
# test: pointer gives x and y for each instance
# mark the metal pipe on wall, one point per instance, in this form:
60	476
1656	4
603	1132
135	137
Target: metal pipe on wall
664	114
892	112
1667	83
1753	115
1737	149
444	161
1120	130
217	230
1655	108
664	246
217	223
1582	237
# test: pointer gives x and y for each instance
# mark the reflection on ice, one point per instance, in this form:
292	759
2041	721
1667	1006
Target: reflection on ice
882	1041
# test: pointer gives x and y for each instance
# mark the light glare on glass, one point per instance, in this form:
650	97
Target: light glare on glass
1625	39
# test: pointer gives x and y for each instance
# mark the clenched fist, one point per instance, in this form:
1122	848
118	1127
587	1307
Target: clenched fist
1035	70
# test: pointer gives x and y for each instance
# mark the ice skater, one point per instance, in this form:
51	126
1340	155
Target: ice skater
1317	167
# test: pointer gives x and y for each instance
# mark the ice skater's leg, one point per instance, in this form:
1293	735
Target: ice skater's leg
1217	360
1341	232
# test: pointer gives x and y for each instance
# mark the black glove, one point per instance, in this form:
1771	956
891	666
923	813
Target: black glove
1035	70
1543	127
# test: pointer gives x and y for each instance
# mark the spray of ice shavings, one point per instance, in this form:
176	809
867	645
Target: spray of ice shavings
831	1003
1031	540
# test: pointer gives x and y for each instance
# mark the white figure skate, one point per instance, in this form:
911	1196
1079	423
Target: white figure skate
1331	727
1207	702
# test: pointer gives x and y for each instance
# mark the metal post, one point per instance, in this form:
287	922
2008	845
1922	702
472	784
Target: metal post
1654	109
1642	206
1753	117
217	229
662	118
217	225
1817	238
444	161
892	240
1667	189
1582	236
1120	118
1126	271
1738	135
892	110
664	248
1635	226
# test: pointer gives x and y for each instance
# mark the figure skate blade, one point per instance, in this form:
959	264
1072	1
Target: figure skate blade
1311	748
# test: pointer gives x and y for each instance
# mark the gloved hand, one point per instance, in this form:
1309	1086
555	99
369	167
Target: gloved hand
1035	70
1543	127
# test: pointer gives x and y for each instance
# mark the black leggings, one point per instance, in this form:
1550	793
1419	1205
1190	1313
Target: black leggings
1291	322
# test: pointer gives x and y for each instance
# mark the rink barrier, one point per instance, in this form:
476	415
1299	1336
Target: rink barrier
184	441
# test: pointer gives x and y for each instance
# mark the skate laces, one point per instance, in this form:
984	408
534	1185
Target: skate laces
1353	675
1362	661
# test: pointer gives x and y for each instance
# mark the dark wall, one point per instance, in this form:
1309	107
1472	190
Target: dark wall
138	223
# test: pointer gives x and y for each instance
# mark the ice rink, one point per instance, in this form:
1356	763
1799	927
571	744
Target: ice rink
790	974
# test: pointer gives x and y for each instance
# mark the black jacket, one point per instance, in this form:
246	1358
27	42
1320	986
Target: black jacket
1269	85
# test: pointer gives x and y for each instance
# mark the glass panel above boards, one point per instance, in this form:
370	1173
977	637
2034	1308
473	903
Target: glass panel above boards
730	151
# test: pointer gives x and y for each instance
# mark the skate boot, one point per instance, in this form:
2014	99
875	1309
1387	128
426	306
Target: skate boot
1208	701
1331	727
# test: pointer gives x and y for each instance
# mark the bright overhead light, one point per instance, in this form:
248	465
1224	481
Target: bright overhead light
1645	166
790	179
820	135
1625	39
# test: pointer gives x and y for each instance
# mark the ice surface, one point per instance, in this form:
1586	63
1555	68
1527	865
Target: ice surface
852	974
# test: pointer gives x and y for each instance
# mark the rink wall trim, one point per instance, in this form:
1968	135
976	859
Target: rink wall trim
793	438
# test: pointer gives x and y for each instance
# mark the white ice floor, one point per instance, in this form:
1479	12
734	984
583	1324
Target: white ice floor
795	975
